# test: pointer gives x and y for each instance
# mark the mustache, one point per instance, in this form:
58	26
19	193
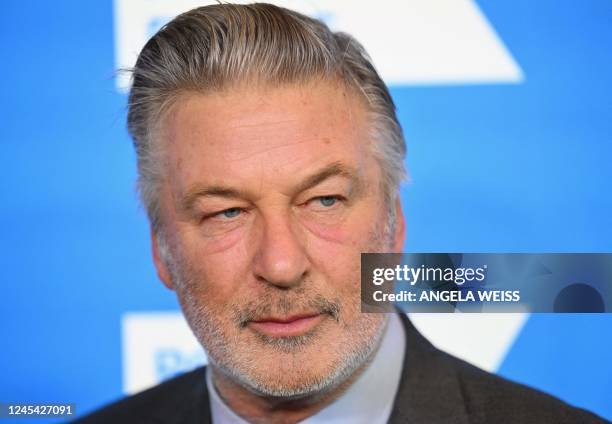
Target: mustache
256	310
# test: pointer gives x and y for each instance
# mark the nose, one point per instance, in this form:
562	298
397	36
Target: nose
280	259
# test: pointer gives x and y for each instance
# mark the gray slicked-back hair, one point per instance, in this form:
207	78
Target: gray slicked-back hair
214	47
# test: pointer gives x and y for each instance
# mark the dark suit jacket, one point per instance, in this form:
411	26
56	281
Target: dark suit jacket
435	388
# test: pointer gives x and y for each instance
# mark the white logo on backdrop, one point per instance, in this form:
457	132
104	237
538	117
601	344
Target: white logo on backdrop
156	346
411	41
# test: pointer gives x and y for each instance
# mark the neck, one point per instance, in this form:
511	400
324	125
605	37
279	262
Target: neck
274	410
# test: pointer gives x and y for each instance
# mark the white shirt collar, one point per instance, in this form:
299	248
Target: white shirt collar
369	400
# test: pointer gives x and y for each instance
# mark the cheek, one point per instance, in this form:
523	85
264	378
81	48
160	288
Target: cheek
338	264
220	245
354	232
344	244
215	276
325	234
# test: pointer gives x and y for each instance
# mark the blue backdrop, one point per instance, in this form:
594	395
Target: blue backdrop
494	168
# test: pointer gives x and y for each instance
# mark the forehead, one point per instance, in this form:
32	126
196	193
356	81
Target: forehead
263	132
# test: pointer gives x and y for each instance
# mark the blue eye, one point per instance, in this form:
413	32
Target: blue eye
328	201
231	213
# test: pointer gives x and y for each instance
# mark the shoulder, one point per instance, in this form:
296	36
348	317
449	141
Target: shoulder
181	399
491	398
438	387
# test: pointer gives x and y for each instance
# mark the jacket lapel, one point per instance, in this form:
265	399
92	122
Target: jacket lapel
429	390
195	408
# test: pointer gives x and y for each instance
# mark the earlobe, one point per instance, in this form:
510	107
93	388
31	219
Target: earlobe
400	227
160	263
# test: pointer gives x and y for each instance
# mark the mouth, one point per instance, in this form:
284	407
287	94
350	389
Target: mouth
292	326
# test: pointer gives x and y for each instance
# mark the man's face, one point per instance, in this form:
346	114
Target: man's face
271	195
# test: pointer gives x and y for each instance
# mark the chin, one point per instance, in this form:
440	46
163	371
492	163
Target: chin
291	370
298	383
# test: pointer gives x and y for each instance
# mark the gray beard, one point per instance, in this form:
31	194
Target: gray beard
218	348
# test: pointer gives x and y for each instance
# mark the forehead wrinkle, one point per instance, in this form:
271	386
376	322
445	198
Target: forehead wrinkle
260	124
267	149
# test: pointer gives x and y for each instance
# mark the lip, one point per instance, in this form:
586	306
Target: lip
292	326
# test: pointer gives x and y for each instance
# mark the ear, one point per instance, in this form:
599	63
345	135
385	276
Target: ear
160	264
400	227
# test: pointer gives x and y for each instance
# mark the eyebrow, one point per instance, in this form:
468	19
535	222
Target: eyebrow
197	191
334	169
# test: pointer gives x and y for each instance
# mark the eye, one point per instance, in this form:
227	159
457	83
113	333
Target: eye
230	213
216	224
328	201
